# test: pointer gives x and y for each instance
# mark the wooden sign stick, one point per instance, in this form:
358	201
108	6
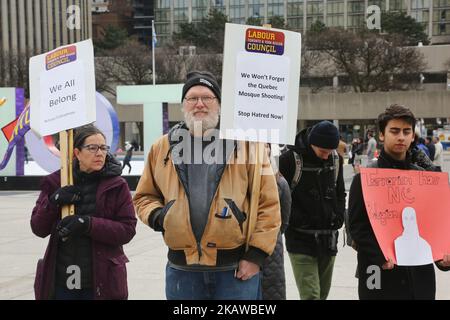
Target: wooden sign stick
66	154
72	206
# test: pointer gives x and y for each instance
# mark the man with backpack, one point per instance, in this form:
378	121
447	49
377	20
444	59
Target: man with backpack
314	171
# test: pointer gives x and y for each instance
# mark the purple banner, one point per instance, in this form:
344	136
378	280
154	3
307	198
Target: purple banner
20	144
21	128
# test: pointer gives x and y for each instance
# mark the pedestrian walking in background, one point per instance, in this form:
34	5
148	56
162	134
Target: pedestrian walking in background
439	150
129	154
371	146
431	148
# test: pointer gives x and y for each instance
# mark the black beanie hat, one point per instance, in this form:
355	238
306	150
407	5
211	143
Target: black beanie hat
324	135
201	78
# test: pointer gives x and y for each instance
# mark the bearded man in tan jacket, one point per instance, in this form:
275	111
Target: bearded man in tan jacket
197	189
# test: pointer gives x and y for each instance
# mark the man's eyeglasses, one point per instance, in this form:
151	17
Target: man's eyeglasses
93	148
207	100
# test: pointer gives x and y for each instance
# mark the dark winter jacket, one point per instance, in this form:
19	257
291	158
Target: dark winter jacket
402	282
432	150
357	149
128	154
78	250
420	158
318	201
274	279
112	225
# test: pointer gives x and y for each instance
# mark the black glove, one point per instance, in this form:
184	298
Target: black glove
337	223
73	226
66	195
156	218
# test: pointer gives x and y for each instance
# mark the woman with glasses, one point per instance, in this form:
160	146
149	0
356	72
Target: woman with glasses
84	259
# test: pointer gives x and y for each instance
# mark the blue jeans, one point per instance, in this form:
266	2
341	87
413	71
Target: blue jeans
220	285
62	293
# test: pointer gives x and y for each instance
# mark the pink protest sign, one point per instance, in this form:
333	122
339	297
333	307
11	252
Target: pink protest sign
394	198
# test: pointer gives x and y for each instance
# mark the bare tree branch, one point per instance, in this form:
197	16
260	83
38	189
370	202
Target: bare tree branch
14	71
371	62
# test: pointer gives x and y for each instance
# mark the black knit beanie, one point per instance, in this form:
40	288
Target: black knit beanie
324	135
201	78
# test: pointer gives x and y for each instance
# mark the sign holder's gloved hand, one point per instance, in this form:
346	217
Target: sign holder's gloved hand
73	226
66	195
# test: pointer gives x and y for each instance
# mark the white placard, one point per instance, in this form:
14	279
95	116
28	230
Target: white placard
260	84
261	92
62	89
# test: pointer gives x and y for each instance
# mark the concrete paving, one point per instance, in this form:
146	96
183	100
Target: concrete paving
20	250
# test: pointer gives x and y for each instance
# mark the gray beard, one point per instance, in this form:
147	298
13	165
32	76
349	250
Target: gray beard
198	127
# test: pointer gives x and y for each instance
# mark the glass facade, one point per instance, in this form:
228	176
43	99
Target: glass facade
162	19
441	17
420	10
180	11
299	14
275	8
397	5
256	9
218	5
380	3
295	15
335	13
237	12
199	10
314	12
355	14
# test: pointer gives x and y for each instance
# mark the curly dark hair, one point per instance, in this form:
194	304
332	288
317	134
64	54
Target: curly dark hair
396	111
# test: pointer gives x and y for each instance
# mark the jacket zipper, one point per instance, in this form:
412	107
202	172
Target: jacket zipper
199	249
215	193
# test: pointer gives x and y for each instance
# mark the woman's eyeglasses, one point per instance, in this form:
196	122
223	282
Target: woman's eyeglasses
93	148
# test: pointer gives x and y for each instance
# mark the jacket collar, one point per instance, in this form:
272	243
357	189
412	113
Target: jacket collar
174	138
112	171
386	161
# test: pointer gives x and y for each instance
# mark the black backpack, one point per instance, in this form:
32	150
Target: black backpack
299	168
298	175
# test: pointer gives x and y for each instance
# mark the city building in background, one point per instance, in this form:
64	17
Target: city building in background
117	13
29	28
143	16
299	15
100	6
33	27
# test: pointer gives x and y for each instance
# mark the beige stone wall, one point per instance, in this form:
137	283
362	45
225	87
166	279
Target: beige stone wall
424	104
436	57
341	106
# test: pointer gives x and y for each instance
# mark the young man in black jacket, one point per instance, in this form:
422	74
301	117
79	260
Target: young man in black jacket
314	170
396	127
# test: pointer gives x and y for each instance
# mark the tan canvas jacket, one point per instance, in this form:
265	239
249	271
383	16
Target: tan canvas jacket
160	184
